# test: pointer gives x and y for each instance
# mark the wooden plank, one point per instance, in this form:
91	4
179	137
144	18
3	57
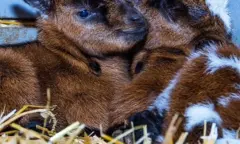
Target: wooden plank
16	9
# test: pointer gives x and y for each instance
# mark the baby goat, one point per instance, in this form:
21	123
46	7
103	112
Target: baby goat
68	58
175	29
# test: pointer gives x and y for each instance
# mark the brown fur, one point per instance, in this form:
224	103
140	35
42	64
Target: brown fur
107	36
167	46
196	86
81	86
184	29
17	78
160	65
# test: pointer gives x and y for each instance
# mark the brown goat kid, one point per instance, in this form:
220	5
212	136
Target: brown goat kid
175	29
153	69
71	32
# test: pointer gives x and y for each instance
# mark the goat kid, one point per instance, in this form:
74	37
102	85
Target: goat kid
68	59
171	39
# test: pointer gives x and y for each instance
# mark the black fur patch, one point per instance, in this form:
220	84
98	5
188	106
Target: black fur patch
150	118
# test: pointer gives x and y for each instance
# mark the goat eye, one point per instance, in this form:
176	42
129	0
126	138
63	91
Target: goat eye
84	13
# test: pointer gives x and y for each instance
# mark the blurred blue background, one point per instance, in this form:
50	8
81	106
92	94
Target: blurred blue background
234	9
18	9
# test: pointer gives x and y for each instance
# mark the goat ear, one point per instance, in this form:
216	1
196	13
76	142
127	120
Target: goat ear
44	6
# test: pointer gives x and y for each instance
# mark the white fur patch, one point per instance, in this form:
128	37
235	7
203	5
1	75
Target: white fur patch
220	8
197	114
225	100
162	101
215	62
194	55
208	48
